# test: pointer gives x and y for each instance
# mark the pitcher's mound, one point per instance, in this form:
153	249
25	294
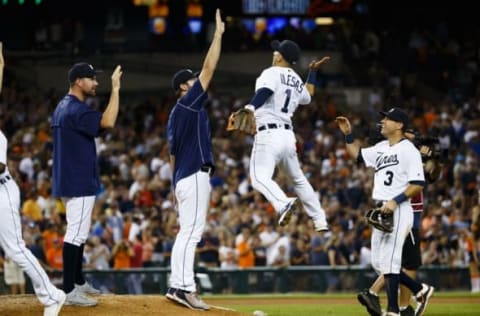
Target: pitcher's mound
110	305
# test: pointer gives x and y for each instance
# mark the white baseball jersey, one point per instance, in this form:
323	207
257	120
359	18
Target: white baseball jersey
3	149
275	143
395	166
288	92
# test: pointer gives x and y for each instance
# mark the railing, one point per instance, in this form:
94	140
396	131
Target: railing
314	279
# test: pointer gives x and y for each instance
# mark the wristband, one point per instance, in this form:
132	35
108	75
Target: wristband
349	139
400	198
312	77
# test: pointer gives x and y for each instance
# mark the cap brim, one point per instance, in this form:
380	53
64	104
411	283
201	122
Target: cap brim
383	113
275	44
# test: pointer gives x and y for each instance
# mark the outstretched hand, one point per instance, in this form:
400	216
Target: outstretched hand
315	64
117	74
2	62
220	26
344	124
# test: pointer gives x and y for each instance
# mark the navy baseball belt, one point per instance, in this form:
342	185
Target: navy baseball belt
4	179
274	126
208	169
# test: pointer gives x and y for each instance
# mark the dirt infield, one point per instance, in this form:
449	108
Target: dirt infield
157	305
108	305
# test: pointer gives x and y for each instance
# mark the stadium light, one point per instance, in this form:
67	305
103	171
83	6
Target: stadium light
324	21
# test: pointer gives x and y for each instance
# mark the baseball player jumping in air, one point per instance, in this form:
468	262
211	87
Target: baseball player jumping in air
398	177
191	160
75	124
11	232
279	91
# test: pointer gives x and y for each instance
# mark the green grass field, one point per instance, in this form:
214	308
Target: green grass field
441	304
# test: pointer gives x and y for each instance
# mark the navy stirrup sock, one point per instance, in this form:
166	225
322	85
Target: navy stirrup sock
410	283
391	285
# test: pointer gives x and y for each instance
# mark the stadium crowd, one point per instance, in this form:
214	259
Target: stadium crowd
135	219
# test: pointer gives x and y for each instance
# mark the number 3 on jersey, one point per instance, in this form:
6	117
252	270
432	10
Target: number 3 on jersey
389	178
288	92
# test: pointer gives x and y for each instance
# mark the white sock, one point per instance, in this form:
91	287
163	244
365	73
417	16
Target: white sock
476	284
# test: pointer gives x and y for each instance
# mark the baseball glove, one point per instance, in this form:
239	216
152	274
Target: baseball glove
380	220
242	120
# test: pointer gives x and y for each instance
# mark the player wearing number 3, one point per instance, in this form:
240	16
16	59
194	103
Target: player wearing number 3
398	177
278	92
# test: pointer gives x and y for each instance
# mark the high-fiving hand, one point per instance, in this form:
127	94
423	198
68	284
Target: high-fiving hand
344	124
220	26
315	64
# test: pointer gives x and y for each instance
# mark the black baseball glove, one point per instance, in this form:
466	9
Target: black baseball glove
380	220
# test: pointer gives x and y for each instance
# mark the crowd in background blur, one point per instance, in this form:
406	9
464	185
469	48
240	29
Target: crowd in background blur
134	221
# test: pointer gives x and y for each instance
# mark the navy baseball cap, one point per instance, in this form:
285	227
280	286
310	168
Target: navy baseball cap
82	70
397	115
289	50
182	76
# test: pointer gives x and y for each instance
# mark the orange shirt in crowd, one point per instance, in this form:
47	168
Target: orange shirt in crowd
121	260
49	236
246	258
55	257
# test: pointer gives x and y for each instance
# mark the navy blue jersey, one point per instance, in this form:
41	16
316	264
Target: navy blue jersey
75	169
188	133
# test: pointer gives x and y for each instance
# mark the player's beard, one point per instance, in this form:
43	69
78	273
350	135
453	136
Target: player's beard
90	92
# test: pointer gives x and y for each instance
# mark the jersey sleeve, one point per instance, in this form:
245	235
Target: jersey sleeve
171	134
370	154
267	79
88	121
414	164
305	97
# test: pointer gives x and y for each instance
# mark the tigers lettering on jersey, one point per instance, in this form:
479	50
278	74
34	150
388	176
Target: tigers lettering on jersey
386	161
292	81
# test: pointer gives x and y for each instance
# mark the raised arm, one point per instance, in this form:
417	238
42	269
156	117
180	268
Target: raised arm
312	74
110	114
2	65
213	54
353	148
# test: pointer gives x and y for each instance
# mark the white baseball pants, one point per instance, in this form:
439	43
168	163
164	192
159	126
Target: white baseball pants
79	219
193	196
387	247
14	246
274	147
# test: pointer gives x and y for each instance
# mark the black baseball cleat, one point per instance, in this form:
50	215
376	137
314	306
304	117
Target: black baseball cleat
409	311
170	292
422	297
371	302
288	211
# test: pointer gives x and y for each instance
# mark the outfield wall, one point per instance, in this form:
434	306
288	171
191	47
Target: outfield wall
314	279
